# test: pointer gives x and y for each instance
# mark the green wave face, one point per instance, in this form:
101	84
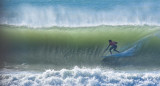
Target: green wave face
63	46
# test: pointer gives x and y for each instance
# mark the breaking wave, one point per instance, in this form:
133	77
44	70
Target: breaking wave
68	47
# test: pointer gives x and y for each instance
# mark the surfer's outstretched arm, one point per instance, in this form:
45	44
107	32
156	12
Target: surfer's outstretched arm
106	48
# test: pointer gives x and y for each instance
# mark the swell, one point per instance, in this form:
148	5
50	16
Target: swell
79	46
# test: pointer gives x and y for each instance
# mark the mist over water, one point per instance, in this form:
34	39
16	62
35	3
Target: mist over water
80	13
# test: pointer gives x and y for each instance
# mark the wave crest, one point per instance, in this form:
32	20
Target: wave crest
48	16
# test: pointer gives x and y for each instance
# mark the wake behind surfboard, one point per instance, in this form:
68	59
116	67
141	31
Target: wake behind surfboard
126	53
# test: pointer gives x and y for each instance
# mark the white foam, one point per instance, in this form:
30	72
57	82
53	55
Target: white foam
48	16
79	77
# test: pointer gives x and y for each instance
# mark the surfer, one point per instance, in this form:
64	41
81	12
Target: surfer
113	46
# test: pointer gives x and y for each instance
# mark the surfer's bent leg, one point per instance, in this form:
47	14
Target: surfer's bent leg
115	47
110	50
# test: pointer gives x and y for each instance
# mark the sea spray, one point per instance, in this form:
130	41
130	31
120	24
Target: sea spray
79	13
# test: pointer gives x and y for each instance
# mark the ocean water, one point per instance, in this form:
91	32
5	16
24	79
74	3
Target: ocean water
62	42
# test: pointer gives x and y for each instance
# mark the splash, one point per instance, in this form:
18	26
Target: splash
79	76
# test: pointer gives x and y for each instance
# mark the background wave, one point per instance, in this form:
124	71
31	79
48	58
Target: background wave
79	13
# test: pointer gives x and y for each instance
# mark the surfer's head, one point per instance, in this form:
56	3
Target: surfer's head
110	40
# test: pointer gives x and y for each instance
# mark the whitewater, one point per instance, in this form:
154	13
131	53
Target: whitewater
81	77
62	43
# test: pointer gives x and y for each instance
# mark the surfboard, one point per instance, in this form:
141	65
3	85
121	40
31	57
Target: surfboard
118	55
127	53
